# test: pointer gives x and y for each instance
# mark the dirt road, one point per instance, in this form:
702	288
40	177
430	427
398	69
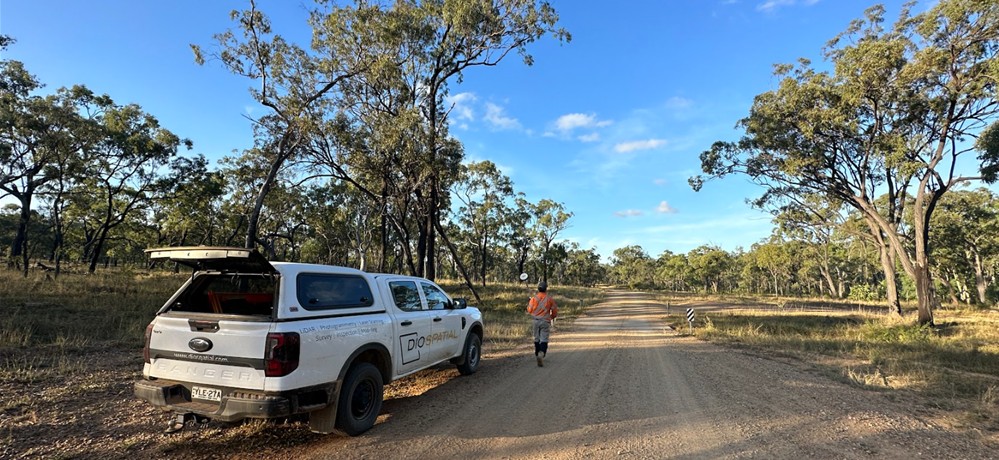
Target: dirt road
618	385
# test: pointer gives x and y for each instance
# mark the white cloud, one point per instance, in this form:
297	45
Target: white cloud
730	223
462	106
649	144
660	182
592	137
503	168
773	5
628	213
495	117
665	208
548	134
579	120
677	102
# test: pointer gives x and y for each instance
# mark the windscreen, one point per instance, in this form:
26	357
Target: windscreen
229	294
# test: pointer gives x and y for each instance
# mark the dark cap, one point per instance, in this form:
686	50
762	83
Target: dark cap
542	286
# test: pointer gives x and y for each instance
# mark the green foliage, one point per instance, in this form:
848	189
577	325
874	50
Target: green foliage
864	292
633	267
909	334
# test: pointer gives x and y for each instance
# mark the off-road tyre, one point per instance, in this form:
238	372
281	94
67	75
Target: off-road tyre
472	355
360	400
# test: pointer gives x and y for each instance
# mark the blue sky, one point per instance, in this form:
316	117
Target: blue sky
611	124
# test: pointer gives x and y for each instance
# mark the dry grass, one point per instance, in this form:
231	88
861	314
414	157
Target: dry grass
504	308
77	309
953	366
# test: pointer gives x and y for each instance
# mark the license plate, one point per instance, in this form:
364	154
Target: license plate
211	394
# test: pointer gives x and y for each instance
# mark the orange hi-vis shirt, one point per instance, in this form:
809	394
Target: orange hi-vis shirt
542	306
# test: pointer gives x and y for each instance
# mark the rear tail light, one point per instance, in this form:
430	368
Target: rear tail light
145	349
281	353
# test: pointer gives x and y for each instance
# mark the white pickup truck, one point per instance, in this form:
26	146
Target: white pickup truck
248	338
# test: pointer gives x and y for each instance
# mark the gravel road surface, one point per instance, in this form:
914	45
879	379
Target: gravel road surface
619	384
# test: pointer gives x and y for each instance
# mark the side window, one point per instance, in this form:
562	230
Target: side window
436	300
407	298
323	292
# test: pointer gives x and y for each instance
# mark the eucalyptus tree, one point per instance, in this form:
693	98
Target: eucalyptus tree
893	114
36	144
452	36
189	210
550	221
710	264
293	81
520	225
631	265
583	267
774	258
816	221
483	191
325	221
121	172
674	270
966	225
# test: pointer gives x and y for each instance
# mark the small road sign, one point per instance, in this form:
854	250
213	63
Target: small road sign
690	319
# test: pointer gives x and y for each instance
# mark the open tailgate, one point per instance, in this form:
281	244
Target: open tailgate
226	259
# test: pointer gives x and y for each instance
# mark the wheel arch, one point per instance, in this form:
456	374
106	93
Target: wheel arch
476	328
374	353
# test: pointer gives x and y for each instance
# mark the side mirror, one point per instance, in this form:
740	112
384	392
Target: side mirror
459	303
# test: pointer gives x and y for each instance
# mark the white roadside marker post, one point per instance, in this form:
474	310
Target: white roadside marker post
690	319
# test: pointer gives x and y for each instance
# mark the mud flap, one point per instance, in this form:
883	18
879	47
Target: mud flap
322	421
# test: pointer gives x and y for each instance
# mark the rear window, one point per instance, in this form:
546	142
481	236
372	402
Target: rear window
238	294
324	292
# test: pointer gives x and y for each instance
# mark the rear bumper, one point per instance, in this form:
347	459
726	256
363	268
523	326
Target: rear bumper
235	405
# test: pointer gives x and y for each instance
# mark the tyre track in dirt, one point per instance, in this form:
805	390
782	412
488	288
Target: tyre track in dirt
618	385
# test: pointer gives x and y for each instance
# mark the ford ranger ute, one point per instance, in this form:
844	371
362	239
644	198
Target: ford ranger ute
247	338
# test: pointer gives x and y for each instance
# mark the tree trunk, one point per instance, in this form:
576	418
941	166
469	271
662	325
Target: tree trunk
887	255
945	280
97	250
430	248
252	223
891	282
421	250
454	254
484	255
926	291
927	295
980	283
827	277
19	247
383	225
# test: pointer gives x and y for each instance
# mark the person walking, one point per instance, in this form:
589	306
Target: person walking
543	310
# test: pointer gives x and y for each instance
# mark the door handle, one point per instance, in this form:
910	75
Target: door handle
406	323
438	319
